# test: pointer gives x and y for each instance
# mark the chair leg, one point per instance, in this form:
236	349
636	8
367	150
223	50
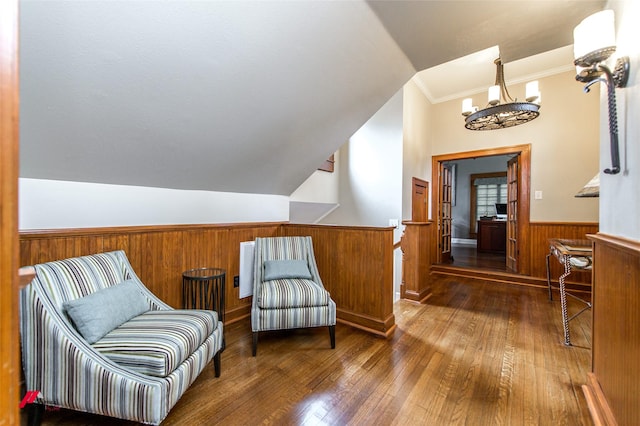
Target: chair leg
332	335
254	348
216	363
35	414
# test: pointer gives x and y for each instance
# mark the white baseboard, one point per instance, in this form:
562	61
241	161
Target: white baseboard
466	242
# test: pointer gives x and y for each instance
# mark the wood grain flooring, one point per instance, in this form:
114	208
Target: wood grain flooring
470	257
478	353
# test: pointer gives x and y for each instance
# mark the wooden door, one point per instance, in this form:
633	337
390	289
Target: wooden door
513	184
521	233
419	197
444	215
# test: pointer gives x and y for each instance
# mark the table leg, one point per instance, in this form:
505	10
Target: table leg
563	299
549	278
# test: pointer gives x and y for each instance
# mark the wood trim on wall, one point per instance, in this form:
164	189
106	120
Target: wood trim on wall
597	403
355	263
539	248
416	261
356	266
158	254
615	332
328	164
9	151
541	233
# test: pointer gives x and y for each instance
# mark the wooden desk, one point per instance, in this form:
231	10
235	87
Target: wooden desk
492	236
570	253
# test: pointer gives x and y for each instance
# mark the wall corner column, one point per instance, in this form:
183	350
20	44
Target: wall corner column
416	261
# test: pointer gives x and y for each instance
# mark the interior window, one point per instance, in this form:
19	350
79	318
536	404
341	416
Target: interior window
487	189
487	195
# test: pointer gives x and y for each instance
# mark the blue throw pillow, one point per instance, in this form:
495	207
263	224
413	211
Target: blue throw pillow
282	269
98	313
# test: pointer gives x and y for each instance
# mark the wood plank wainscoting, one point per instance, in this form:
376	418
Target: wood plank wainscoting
356	266
613	386
356	263
540	234
416	261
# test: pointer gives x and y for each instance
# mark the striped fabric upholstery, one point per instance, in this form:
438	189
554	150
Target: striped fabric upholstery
157	342
72	374
280	319
289	303
292	293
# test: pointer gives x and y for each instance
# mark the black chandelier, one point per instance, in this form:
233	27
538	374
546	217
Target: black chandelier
508	113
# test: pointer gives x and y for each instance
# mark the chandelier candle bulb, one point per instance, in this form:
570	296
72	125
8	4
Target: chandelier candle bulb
494	95
532	91
467	106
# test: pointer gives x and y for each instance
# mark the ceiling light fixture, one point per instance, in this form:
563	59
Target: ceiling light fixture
502	111
594	41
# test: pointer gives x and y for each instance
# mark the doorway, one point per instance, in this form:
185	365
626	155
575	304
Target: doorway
515	225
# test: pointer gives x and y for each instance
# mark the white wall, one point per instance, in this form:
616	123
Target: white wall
370	167
45	204
564	145
317	196
620	194
320	187
416	158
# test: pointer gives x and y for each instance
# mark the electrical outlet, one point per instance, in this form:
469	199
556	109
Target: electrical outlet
236	281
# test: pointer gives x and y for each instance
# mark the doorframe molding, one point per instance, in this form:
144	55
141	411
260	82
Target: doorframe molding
9	243
524	195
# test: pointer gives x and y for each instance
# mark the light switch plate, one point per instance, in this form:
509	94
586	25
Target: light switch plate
538	195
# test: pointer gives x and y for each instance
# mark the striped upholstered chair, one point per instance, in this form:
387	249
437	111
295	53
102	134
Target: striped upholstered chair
137	370
287	289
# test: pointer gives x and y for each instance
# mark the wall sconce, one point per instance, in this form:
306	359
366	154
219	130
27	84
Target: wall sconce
594	41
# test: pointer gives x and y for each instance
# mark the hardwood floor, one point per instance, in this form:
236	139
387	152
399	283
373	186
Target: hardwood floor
469	257
478	353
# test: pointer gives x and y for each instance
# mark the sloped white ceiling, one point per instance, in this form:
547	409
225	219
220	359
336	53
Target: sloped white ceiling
231	96
227	96
434	32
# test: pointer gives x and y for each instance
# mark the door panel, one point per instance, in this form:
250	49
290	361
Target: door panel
512	213
419	197
444	216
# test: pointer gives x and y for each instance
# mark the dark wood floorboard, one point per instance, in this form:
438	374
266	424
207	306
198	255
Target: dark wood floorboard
478	353
469	257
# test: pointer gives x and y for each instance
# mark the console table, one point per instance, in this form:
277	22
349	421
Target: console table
575	254
492	236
